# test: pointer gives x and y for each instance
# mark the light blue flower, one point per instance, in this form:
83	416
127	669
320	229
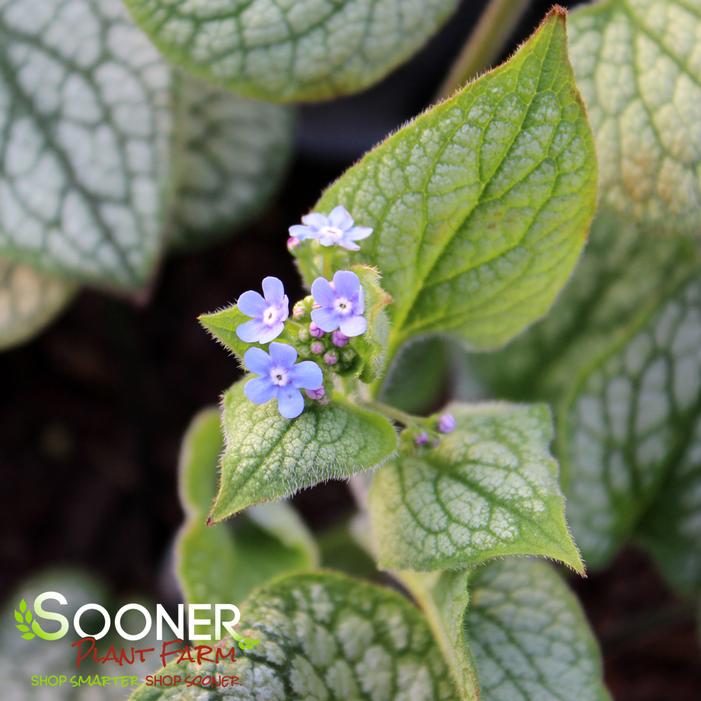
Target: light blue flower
280	378
269	313
340	304
336	229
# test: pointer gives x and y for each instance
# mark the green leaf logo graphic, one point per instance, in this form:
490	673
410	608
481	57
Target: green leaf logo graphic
23	620
245	643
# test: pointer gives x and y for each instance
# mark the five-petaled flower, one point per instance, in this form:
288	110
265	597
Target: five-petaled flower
269	313
336	229
280	378
340	304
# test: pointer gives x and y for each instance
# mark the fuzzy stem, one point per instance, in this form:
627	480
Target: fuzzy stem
493	30
396	414
328	264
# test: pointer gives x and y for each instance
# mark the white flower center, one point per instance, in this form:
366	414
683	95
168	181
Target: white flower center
270	316
279	376
342	306
331	232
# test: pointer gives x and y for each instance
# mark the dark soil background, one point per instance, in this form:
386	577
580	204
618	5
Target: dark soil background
93	410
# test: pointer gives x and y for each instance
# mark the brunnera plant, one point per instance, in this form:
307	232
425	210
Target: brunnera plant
619	357
465	223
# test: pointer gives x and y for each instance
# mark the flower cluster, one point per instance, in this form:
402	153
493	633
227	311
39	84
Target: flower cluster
322	325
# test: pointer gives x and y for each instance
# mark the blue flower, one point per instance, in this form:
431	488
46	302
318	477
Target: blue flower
336	229
341	304
280	378
269	313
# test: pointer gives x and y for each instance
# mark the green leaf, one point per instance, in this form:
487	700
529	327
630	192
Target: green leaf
19	617
671	527
637	67
372	345
529	638
621	272
232	155
511	631
326	636
199	455
221	326
481	205
617	358
268	457
285	52
106	149
224	563
488	489
627	415
85	136
444	598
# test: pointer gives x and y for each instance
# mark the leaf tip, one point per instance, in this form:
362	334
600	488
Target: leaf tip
556	12
573	560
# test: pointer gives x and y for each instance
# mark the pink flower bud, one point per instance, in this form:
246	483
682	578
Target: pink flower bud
317	347
339	339
315	331
421	438
446	423
298	311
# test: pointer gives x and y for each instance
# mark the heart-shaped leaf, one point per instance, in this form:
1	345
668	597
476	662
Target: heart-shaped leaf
267	456
325	636
28	301
636	63
281	51
486	490
481	205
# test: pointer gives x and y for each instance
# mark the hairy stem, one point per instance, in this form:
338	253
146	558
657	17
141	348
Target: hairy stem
486	42
395	414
